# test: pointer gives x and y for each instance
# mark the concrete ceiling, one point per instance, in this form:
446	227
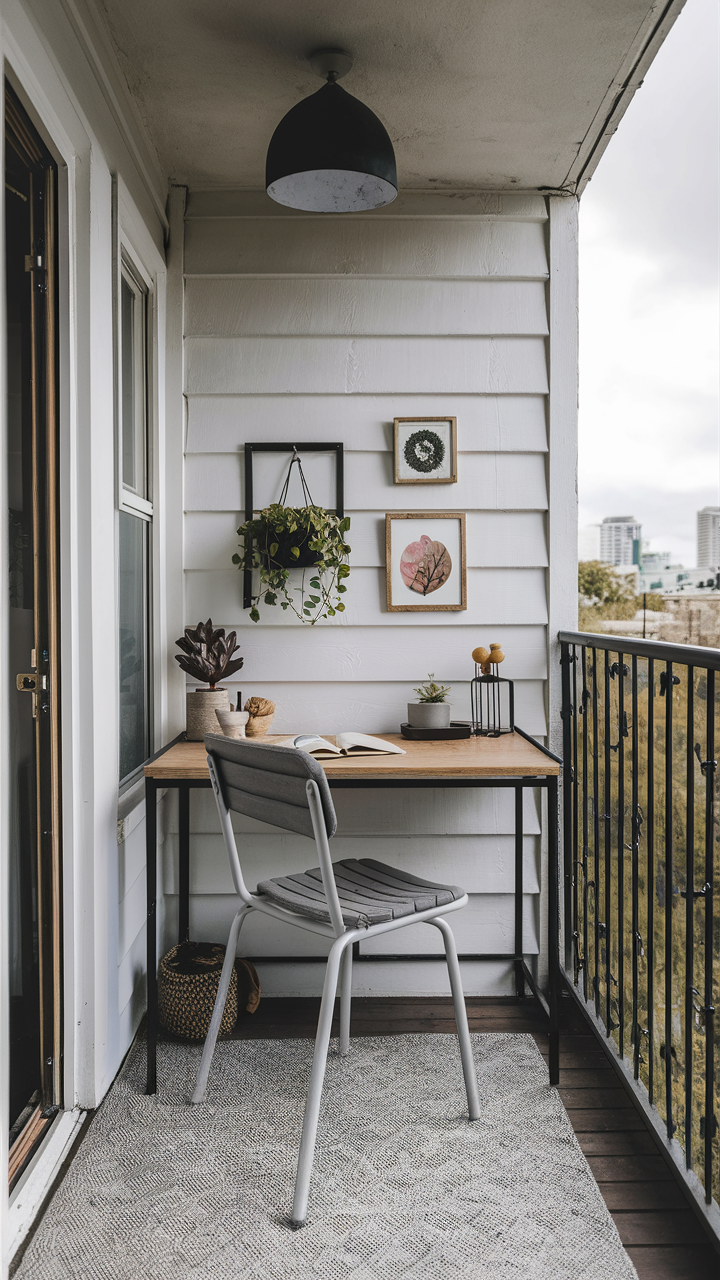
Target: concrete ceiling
474	93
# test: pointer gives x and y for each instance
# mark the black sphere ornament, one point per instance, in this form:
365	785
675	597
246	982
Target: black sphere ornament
330	153
424	451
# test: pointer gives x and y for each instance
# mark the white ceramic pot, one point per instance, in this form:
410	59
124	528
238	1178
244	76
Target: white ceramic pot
201	705
233	723
429	715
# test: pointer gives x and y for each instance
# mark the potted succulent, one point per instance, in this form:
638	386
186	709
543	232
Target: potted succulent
282	539
207	655
431	711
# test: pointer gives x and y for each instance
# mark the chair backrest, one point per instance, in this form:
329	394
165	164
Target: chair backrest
268	782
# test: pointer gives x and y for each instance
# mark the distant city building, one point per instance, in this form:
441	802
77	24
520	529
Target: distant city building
668	577
656	560
589	542
620	540
674	577
708	536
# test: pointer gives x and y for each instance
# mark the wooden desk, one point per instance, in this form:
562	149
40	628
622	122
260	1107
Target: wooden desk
513	760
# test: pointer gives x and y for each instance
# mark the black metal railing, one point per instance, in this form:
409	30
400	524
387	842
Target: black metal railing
641	727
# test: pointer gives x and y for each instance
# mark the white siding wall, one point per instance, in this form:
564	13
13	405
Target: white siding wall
308	328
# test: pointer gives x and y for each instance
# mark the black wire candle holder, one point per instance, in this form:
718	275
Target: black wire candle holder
492	702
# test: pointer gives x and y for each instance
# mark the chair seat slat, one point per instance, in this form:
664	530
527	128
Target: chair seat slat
365	886
369	892
403	878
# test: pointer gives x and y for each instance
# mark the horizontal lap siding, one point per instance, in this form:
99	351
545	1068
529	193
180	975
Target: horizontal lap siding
243	308
324	330
347	366
463	249
509	539
485	924
489	481
482	864
488	424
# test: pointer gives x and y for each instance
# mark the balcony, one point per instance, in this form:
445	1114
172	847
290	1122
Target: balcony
637	969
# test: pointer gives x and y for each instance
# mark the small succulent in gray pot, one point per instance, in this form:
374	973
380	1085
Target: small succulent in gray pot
431	711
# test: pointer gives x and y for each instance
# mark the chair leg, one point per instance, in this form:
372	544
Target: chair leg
198	1093
306	1156
345	1000
463	1030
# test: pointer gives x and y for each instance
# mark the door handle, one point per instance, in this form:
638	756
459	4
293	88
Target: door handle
29	682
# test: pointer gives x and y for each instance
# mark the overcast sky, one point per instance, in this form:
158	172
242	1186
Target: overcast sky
649	329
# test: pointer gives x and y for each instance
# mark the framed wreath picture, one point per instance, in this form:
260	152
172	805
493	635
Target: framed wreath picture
425	450
425	561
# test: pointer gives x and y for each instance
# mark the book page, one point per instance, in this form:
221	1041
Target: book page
365	744
313	744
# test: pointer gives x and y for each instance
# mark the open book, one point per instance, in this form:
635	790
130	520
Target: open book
348	744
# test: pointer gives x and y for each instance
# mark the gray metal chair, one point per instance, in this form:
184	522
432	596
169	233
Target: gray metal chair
343	902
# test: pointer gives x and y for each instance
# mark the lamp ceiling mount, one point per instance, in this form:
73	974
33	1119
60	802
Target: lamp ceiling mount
329	63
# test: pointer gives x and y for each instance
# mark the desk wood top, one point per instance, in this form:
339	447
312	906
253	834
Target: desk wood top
510	756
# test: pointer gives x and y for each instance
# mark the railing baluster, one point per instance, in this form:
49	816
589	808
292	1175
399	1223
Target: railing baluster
621	856
608	896
577	711
585	700
650	863
668	897
635	841
596	835
710	768
566	658
689	911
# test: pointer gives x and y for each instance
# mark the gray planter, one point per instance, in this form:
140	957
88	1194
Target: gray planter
429	715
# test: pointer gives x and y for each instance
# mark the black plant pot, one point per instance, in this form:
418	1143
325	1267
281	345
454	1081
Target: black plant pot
282	557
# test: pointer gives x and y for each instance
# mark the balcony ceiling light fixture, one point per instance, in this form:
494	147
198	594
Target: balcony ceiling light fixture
330	153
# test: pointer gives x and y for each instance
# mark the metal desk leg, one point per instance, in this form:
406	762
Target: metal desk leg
519	888
183	862
553	930
151	929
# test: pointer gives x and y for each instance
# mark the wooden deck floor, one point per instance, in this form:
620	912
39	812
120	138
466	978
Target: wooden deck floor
660	1231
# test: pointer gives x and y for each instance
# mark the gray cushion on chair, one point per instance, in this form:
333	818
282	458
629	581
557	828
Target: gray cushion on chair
268	782
369	893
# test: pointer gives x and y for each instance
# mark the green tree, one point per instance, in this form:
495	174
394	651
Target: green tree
606	595
599	585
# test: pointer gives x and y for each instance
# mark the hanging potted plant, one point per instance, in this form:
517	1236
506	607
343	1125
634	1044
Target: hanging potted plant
207	655
281	540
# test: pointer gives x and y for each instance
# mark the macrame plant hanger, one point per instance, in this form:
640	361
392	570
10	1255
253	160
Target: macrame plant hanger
306	492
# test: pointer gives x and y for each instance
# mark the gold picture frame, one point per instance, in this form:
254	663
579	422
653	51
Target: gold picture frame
414	455
425	557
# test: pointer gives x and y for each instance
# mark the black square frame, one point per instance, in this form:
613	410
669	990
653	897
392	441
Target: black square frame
251	449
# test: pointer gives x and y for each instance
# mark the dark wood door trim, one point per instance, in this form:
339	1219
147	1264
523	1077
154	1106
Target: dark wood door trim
41	263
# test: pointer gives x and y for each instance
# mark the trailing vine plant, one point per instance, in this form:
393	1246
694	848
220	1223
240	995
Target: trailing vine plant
283	539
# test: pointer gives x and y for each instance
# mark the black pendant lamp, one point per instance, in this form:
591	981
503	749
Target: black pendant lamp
330	153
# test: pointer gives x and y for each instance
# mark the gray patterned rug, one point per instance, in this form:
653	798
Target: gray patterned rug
403	1184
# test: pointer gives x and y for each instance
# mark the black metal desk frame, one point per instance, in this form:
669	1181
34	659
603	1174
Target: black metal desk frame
547	782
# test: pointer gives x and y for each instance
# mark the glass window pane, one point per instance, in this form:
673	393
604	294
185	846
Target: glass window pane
133	623
132	388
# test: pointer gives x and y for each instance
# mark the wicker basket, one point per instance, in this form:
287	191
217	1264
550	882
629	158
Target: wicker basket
188	981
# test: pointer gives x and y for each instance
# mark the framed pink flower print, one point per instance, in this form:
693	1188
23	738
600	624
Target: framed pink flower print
425	561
